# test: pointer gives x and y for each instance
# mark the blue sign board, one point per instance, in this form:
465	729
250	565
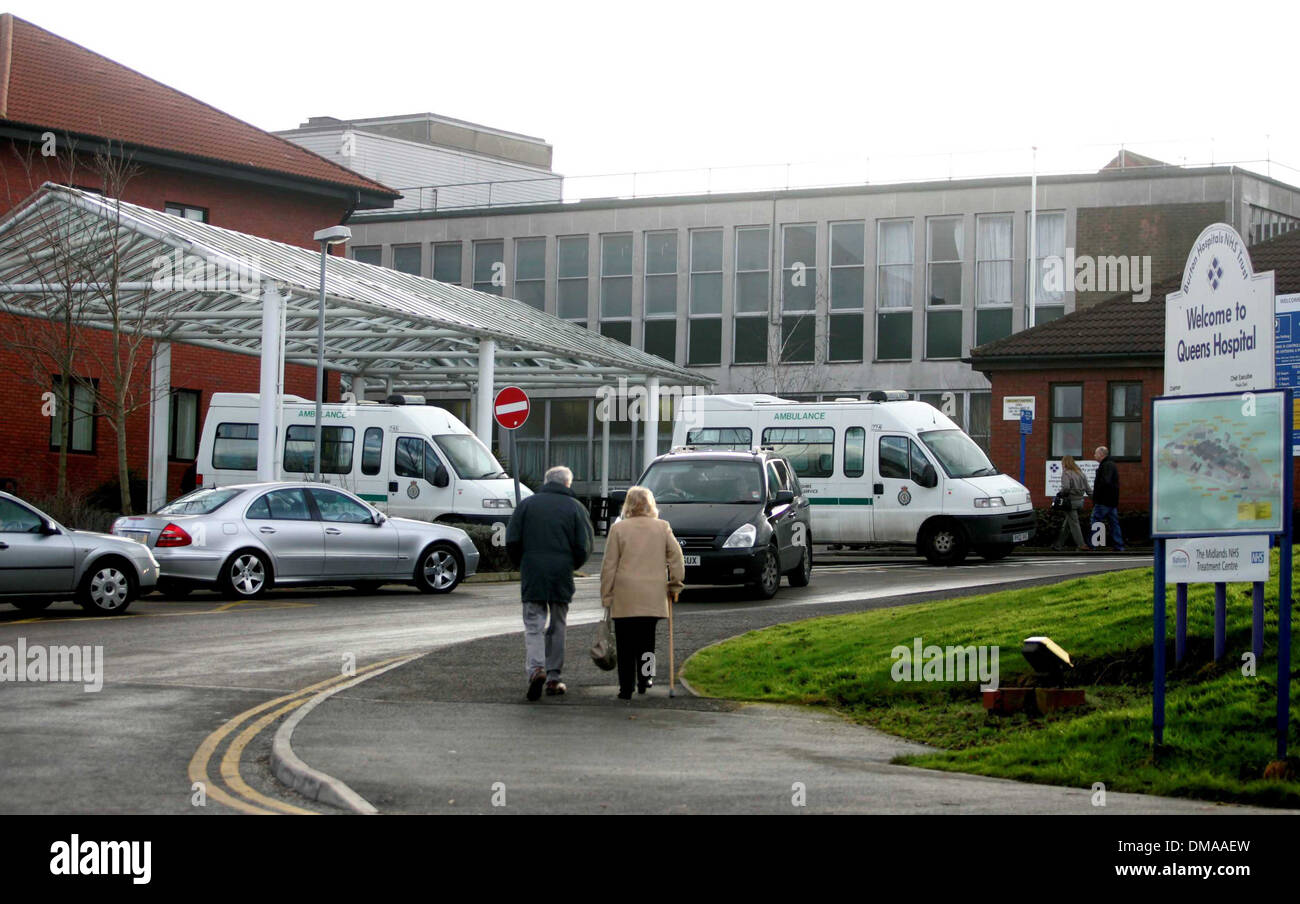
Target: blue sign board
1026	421
1286	350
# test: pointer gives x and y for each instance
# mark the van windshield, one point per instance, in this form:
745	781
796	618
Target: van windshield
717	482
469	458
957	453
199	502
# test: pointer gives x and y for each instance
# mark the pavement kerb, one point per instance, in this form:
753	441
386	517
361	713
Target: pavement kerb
312	783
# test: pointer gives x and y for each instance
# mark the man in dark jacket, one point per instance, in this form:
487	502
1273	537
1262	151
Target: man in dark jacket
1105	499
549	536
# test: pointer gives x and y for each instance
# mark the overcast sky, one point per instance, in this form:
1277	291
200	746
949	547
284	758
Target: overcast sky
622	87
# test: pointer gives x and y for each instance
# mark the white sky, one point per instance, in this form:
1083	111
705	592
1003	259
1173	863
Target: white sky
666	85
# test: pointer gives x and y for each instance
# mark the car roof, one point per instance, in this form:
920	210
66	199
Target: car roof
754	455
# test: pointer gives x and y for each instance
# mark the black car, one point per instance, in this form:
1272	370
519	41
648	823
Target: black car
740	517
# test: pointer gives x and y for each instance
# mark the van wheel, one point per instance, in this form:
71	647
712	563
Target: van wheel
107	588
246	575
31	605
944	543
801	574
995	551
769	575
439	569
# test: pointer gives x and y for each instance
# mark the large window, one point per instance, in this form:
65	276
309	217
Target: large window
992	277
489	267
570	426
660	337
188	211
76	428
183	435
753	289
408	258
571	285
1268	224
729	439
704	335
1066	420
799	292
372	451
855	451
446	262
1124	420
894	291
810	449
943	316
300	449
616	286
847	291
368	254
1053	281
530	272
235	447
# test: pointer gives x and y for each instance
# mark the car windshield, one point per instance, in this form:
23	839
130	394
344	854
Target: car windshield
958	453
469	458
199	502
718	482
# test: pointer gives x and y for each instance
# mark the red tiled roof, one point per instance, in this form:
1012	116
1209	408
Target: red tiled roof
49	82
1122	328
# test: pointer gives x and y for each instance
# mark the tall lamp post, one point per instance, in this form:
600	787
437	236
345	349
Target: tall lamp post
332	236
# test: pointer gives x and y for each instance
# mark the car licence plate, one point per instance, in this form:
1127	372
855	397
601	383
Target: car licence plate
692	560
1020	537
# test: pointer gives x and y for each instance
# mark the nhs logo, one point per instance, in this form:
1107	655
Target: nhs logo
1257	558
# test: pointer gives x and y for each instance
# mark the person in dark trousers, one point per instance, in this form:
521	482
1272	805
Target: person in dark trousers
640	576
549	536
1105	499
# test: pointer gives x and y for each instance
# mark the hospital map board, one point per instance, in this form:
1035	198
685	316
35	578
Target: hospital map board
1217	464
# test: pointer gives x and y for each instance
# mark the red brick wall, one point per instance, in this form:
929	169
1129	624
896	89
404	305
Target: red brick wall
288	217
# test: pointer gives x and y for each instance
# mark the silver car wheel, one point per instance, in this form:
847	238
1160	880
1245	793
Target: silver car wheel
247	574
109	589
440	569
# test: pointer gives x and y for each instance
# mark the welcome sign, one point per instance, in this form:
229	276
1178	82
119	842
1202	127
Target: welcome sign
1219	326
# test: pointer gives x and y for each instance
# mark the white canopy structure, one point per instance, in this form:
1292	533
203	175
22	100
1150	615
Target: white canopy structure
175	279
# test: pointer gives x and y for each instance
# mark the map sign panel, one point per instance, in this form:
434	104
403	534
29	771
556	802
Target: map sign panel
1218	464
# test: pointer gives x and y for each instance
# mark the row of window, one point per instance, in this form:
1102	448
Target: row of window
803	291
1123	420
811	450
78	426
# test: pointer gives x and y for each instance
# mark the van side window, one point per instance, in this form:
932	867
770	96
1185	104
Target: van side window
372	451
335	453
235	447
408	457
810	450
902	459
721	439
919	461
855	451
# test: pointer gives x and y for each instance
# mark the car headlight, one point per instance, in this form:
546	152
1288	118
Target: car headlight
498	503
742	537
990	502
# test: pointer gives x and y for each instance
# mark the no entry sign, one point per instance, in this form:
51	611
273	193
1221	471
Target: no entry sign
511	408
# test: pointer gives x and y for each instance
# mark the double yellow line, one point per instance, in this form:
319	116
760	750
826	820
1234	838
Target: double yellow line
237	793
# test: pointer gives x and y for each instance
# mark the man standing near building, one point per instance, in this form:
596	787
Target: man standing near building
549	536
1105	500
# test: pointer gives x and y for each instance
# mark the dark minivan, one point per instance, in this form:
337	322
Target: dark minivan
740	517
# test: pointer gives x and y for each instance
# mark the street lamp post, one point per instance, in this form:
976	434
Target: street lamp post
332	236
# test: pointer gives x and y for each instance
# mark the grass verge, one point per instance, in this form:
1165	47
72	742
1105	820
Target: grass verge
1219	734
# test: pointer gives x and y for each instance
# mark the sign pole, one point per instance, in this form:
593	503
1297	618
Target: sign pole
1026	428
1220	620
1284	590
514	464
1158	651
1257	620
1180	622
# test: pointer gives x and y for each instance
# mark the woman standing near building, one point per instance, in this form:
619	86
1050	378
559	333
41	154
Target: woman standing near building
641	570
1074	487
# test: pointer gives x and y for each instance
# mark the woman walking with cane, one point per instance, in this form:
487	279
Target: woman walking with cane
642	569
1074	487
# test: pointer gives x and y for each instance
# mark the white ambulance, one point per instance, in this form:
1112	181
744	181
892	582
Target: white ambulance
407	460
888	470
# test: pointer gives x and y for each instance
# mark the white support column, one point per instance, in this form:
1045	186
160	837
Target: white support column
484	394
359	387
270	382
650	425
160	386
604	456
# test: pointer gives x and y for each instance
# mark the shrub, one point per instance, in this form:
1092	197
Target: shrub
76	512
490	556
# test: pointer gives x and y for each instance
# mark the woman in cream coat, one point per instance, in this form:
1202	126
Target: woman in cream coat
640	577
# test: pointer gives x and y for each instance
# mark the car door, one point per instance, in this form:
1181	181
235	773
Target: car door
31	560
355	546
783	517
854	501
371	480
284	522
902	503
417	471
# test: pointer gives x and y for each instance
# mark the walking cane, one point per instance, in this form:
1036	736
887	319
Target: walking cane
672	660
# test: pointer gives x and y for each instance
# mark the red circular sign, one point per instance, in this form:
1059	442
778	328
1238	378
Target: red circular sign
511	407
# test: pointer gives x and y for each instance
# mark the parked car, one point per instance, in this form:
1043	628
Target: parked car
740	517
42	561
247	538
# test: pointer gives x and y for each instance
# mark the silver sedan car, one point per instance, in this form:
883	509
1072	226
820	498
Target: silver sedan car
42	561
245	539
